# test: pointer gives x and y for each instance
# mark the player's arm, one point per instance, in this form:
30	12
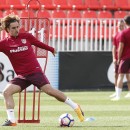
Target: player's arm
40	44
114	54
114	50
120	50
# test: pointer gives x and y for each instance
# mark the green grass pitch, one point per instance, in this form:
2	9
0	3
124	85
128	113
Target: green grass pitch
109	115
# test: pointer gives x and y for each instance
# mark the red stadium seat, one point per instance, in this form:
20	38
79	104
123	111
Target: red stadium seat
1	14
62	4
4	5
26	13
107	4
73	14
89	14
120	14
104	14
92	4
44	14
58	14
3	2
32	2
121	4
78	4
47	4
10	12
13	2
26	22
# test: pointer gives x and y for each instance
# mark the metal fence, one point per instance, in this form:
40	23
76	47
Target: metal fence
75	34
83	34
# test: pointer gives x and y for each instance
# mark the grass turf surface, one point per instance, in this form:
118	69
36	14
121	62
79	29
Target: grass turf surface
109	115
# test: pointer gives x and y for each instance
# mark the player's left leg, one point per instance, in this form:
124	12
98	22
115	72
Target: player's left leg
114	94
128	84
123	69
119	87
9	102
63	98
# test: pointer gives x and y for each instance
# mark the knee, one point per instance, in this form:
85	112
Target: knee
5	93
48	90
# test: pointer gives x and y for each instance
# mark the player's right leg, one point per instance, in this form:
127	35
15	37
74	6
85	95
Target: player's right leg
116	77
119	87
123	69
43	84
63	98
128	84
9	102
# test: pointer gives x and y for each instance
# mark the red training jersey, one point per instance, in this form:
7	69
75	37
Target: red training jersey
125	39
116	41
20	52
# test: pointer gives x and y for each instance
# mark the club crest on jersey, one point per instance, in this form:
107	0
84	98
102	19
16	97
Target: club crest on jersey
23	41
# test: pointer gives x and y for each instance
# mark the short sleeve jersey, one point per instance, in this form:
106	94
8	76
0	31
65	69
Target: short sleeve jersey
116	41
125	39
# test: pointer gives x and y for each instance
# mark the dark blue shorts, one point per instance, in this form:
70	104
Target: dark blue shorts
38	79
124	66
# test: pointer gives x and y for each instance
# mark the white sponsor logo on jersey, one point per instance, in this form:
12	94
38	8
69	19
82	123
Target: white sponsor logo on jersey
19	49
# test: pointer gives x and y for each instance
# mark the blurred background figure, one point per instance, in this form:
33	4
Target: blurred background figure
121	26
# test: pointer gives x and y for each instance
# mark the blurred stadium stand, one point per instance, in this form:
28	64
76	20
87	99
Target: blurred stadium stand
110	6
59	11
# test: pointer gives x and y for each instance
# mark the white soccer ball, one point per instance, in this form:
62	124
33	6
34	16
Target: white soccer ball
66	120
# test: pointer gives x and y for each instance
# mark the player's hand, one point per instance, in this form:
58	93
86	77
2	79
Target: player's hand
114	61
118	61
54	53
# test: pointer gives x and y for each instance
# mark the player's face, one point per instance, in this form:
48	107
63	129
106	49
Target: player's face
121	26
14	29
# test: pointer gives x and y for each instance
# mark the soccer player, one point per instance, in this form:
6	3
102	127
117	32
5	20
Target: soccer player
123	57
17	46
121	27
